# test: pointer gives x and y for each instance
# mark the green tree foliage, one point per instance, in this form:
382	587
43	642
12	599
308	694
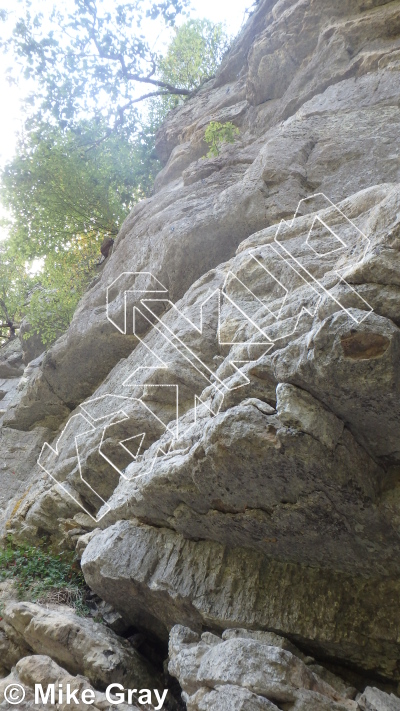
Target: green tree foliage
66	190
69	182
194	53
14	285
87	57
218	133
72	183
59	287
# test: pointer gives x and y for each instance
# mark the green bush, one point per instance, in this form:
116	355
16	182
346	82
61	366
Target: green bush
42	575
217	133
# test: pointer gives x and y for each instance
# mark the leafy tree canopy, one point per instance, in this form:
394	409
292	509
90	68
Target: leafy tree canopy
65	183
66	190
14	285
73	181
193	56
59	287
194	53
87	56
81	180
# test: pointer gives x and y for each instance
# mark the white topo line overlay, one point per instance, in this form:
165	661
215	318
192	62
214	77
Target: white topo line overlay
154	294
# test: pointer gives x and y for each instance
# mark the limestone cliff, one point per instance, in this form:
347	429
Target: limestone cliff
260	360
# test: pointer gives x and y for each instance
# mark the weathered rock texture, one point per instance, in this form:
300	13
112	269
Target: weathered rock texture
314	89
273	504
163	578
80	645
41	669
257	671
19	451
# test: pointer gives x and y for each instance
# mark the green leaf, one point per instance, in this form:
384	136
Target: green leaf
218	133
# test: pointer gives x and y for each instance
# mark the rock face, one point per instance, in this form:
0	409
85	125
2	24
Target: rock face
163	578
19	451
375	699
256	671
80	645
235	445
35	640
313	88
41	669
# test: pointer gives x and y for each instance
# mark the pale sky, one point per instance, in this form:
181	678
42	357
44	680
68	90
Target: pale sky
230	12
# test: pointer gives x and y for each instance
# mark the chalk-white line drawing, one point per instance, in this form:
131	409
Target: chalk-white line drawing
171	428
49	450
335	236
279	261
160	289
186	352
160	364
362	239
286	269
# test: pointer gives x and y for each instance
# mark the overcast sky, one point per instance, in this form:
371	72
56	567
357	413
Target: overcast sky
231	12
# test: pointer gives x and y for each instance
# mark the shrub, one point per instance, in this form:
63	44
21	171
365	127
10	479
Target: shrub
41	575
217	133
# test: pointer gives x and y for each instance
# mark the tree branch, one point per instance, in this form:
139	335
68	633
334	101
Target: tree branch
157	82
119	57
6	326
5	310
121	109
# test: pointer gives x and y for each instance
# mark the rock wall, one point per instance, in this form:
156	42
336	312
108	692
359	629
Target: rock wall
259	378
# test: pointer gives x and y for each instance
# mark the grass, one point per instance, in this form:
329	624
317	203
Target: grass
41	575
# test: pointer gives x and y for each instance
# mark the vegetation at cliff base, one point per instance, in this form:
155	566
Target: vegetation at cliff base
39	574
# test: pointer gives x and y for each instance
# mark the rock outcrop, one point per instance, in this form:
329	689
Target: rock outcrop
225	407
19	451
313	88
259	671
41	669
80	645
